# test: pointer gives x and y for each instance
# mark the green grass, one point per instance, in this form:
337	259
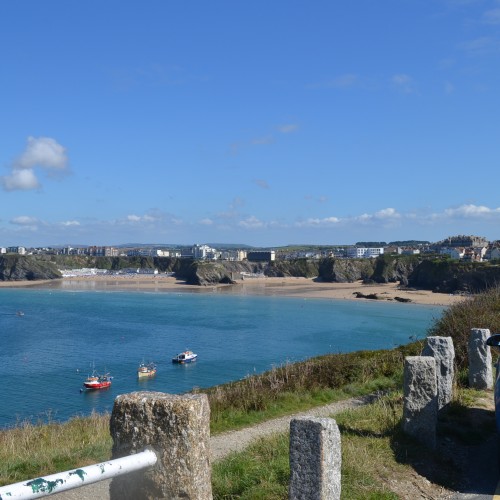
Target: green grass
377	457
287	403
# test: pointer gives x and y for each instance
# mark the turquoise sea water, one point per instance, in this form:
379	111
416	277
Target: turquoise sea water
46	354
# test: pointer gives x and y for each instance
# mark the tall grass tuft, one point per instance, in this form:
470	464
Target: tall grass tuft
314	381
34	449
478	311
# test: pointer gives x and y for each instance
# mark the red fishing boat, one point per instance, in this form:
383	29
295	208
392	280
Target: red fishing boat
96	381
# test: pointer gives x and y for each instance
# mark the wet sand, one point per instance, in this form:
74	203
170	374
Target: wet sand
286	287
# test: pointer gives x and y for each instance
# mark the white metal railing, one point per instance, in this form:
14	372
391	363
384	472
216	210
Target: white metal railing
63	481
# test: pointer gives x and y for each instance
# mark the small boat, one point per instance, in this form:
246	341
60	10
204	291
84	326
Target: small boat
185	357
19	313
146	370
96	381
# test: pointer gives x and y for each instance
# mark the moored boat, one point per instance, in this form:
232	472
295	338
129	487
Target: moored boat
146	370
185	357
96	381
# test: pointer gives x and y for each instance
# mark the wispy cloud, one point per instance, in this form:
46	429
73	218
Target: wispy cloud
261	183
206	222
141	218
472	211
390	217
481	46
404	83
492	16
42	153
237	147
24	220
251	223
153	226
268	139
288	128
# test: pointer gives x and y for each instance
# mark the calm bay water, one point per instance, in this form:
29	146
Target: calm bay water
46	354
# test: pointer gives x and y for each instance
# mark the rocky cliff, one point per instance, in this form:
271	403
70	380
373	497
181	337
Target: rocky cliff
19	267
440	275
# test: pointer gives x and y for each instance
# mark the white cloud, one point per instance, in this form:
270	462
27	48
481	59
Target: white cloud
70	223
387	213
44	153
142	218
20	180
317	222
24	220
472	211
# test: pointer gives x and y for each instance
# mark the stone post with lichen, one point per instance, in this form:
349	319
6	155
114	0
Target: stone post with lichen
480	369
420	403
177	428
315	459
442	350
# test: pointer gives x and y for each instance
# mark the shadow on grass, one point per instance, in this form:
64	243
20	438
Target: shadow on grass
465	458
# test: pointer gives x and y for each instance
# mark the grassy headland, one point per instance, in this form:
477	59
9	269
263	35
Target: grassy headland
30	450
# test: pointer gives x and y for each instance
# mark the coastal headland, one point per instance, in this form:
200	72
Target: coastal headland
306	288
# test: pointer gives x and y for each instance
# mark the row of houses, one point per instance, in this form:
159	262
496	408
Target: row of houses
467	248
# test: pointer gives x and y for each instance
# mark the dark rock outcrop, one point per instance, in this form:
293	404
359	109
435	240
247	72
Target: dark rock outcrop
29	268
437	274
345	270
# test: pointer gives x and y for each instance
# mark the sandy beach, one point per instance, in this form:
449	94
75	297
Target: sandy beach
286	287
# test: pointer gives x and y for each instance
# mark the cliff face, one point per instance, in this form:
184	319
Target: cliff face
20	267
451	276
392	269
439	275
345	270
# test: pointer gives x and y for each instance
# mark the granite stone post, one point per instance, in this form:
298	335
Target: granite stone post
442	350
177	428
420	403
315	459
480	370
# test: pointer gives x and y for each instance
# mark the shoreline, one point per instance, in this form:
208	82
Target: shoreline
306	288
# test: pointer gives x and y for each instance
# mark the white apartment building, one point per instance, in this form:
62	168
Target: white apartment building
453	252
364	253
204	252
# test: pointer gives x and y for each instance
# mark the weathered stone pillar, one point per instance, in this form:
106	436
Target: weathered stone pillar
420	407
315	459
178	429
442	350
480	371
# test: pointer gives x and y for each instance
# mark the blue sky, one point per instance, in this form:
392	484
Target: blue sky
261	123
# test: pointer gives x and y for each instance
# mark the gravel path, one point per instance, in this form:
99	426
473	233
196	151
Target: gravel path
228	442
